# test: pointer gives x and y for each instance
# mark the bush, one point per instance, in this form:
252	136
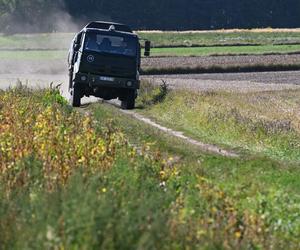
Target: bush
151	94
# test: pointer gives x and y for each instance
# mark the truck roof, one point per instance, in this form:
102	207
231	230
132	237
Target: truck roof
106	25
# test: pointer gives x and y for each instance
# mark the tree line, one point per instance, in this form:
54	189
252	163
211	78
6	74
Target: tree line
54	15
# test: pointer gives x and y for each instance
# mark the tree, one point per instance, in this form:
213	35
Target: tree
44	15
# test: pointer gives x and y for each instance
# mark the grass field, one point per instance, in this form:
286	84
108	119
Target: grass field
220	38
195	51
266	123
58	41
72	181
34	55
96	178
161	39
185	43
227	50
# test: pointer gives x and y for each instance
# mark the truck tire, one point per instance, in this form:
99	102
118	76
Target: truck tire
129	101
75	96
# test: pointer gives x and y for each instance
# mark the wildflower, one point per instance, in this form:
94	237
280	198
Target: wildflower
238	234
214	210
162	174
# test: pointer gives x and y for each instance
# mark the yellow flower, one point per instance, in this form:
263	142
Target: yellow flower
82	159
104	190
162	174
238	234
214	210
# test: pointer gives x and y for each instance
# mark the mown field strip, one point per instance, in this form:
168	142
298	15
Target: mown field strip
224	50
162	38
45	54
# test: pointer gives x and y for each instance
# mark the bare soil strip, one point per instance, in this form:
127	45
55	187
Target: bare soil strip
207	62
205	147
166	65
231	82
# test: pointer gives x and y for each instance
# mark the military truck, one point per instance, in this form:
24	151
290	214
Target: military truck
104	61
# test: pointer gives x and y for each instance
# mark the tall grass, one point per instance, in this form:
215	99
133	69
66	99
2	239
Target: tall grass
266	122
68	181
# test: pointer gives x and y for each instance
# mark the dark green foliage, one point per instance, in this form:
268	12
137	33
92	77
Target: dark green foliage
45	15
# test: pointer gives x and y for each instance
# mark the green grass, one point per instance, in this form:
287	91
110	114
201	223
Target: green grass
145	191
55	45
195	51
58	41
265	123
225	50
34	55
220	38
230	173
62	40
255	183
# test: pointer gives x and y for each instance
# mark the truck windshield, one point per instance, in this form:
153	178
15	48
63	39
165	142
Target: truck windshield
122	45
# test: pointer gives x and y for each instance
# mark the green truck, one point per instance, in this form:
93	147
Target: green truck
104	61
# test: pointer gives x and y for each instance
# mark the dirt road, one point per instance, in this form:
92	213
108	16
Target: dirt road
237	82
58	66
219	61
205	82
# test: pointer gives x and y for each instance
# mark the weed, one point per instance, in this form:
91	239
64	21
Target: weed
150	94
67	182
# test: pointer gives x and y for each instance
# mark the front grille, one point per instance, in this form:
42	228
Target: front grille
110	66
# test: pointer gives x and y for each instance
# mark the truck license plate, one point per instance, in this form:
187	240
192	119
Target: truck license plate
108	79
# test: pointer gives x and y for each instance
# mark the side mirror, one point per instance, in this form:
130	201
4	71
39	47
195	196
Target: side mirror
147	48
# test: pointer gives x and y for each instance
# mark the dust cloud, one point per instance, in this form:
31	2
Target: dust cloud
24	37
55	19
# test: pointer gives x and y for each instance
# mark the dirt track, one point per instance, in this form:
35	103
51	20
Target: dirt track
240	82
233	82
219	61
34	66
43	72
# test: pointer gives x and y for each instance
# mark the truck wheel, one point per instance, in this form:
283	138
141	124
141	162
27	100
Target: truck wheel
129	101
75	96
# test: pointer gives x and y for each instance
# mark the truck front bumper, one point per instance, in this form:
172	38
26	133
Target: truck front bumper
92	80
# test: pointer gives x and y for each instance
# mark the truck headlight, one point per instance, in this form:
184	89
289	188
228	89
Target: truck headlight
83	78
129	83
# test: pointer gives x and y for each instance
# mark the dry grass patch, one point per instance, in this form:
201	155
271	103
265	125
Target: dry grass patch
265	122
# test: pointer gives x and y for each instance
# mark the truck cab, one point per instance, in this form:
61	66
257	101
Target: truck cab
104	61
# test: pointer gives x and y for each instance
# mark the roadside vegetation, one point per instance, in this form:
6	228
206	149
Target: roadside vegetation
261	122
102	180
